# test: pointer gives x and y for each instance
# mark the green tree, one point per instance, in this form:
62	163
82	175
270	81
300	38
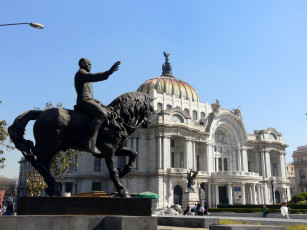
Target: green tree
61	163
3	136
9	185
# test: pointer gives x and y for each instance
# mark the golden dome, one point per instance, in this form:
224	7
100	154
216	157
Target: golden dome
168	84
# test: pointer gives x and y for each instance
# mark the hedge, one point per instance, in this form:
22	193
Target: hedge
270	206
253	210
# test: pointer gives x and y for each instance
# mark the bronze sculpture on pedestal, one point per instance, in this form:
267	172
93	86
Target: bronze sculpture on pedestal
58	129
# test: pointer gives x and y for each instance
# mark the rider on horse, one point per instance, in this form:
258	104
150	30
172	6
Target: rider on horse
86	101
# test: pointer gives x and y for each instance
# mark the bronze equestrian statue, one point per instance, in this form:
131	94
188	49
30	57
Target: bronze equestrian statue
59	129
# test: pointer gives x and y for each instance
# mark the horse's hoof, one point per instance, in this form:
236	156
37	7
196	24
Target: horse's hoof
124	193
51	191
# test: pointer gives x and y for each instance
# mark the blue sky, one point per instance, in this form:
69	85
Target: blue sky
248	53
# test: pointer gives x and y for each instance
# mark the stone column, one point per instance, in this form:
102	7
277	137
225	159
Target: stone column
259	195
243	194
63	188
159	155
263	168
166	152
239	160
229	193
262	200
209	195
244	160
254	201
217	199
194	156
268	164
281	167
229	161
209	158
188	156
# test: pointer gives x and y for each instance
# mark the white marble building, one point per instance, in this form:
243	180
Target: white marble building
234	167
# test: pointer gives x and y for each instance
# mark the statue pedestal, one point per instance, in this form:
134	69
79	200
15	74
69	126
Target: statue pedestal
189	198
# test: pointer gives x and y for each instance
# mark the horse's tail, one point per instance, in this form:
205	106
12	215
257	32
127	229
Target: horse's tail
16	132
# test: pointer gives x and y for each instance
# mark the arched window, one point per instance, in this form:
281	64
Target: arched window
272	136
202	115
168	107
177	118
178	195
159	106
187	111
194	115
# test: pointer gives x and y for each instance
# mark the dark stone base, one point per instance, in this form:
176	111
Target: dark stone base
78	222
84	206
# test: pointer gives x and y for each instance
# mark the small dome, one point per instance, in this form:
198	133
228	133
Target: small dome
168	84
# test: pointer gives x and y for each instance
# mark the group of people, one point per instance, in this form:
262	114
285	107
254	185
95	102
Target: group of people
284	211
198	209
9	210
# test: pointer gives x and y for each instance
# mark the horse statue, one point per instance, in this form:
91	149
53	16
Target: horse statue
59	129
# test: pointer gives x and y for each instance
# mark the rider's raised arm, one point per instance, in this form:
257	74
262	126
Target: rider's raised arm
92	77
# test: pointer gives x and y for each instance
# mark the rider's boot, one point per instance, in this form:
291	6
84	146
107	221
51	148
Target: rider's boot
90	140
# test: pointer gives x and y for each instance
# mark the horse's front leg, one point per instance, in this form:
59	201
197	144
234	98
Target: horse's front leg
132	157
122	191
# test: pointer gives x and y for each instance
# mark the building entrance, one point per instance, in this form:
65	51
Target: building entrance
223	195
178	195
277	197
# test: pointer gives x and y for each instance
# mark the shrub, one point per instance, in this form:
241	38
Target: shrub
304	194
298	198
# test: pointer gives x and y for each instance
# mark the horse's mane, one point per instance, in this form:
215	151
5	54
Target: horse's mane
130	103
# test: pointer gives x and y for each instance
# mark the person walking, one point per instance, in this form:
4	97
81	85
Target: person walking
284	211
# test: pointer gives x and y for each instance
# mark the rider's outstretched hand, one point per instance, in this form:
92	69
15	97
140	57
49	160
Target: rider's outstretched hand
114	67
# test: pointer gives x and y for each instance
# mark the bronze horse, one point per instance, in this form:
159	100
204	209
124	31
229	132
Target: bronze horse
61	129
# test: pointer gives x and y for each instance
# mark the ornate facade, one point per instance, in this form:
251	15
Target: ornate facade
300	168
234	167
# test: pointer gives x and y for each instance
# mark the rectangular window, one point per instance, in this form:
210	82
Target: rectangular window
97	164
181	160
249	166
68	187
173	160
172	143
225	164
96	186
121	162
220	164
197	162
274	169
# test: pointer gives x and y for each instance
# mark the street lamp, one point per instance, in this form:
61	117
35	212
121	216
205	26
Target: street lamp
273	183
33	24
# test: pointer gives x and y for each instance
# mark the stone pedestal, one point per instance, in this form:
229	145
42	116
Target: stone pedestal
84	206
78	222
189	198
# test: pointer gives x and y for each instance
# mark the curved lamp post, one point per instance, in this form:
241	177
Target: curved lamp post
33	24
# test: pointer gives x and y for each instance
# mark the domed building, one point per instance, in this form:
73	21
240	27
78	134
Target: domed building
233	167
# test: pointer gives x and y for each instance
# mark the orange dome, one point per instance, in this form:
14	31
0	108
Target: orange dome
169	84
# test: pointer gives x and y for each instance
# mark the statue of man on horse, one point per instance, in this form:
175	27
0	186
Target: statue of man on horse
101	130
86	101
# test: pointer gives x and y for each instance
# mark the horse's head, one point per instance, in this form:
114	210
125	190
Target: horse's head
134	108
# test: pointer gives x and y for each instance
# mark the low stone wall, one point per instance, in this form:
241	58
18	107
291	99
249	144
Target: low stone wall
245	227
78	222
259	215
186	221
